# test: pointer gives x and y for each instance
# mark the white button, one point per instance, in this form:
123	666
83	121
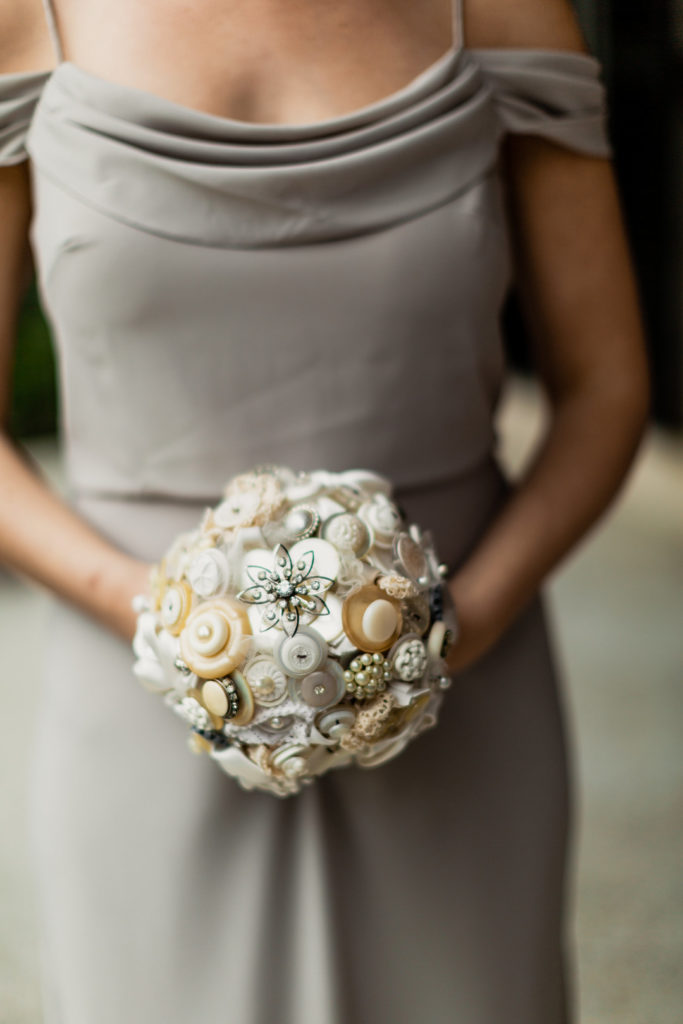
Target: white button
408	658
302	653
237	510
325	558
209	573
266	679
336	722
328	624
290	759
347	532
383	517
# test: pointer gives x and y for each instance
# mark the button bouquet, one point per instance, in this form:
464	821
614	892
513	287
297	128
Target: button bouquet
302	626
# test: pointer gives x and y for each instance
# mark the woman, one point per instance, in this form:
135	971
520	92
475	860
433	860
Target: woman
283	233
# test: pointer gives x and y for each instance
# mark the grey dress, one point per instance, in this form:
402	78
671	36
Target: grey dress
224	293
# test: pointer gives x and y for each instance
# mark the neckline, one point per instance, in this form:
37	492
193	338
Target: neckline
284	130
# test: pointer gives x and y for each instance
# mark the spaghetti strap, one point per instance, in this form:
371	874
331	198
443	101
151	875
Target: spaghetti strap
458	24
52	27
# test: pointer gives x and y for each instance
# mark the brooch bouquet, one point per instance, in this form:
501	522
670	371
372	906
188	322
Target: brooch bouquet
302	626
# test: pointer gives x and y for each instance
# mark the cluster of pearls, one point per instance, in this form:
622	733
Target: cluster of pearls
367	675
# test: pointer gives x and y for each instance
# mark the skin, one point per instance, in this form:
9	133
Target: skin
293	61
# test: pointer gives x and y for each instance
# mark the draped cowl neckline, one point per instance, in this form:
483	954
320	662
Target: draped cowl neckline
205	179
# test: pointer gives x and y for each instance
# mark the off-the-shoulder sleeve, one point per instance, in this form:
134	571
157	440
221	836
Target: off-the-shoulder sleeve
19	93
556	94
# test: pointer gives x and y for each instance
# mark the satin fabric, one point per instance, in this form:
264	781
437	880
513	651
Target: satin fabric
325	295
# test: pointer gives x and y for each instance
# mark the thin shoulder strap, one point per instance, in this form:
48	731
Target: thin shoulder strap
52	28
458	23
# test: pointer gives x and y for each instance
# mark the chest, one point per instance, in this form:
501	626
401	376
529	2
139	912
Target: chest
260	62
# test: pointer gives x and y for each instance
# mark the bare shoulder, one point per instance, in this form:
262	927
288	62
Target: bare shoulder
25	43
533	24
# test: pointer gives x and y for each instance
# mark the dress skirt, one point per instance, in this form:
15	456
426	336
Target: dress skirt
432	887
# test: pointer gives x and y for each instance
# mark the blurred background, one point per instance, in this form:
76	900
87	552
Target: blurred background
617	603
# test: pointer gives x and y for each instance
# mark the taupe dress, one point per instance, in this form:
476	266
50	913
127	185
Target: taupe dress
224	293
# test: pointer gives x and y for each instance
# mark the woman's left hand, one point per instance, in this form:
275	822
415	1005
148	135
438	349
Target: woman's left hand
477	632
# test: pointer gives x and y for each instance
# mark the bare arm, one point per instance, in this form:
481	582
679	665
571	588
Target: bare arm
70	558
580	298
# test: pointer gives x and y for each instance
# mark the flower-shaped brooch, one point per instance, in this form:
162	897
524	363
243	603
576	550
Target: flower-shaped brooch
286	589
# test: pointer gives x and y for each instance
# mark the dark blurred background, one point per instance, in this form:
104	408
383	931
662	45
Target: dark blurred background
641	47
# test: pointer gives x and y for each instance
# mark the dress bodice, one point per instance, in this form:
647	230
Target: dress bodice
223	293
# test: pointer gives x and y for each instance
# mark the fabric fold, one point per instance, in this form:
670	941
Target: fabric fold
557	95
19	94
133	155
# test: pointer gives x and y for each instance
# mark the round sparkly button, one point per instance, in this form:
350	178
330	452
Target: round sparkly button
323	688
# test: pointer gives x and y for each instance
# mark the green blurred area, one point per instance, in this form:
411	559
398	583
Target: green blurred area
34	395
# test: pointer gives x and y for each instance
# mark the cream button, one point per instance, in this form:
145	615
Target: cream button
302	653
408	658
209	573
216	637
215	698
380	620
438	640
175	606
208	632
358	615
